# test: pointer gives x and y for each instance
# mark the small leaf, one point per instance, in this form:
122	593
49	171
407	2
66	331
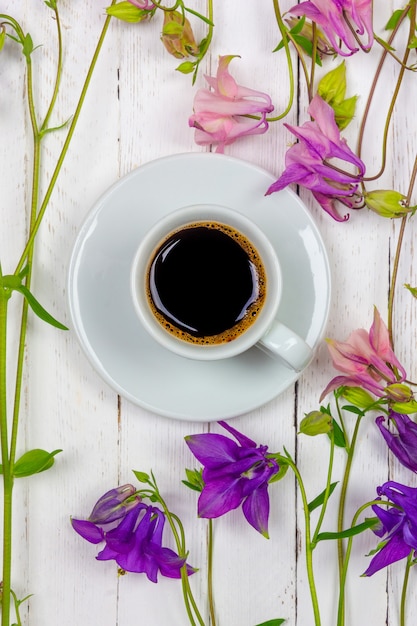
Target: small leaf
338	435
318	501
393	20
273	622
142	477
38	309
194	479
51	4
353	409
350	532
412	290
299	26
33	462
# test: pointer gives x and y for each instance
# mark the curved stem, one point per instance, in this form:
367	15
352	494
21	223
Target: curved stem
309	545
327	490
396	90
343	574
283	32
58	73
397	258
342	501
66	144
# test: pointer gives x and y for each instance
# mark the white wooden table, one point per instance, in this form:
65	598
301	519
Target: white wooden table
137	110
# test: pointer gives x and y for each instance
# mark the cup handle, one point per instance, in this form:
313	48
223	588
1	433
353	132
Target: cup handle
285	343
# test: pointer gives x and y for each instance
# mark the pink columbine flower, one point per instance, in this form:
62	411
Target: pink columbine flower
145	5
339	19
307	161
366	359
219	113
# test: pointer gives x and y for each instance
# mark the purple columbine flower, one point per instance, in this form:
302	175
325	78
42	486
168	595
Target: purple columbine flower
307	161
340	19
135	543
403	443
398	526
234	474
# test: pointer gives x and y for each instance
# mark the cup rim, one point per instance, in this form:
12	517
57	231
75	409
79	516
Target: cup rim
153	239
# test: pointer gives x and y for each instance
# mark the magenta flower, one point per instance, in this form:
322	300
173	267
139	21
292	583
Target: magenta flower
135	543
234	474
403	443
398	526
307	161
366	360
339	19
219	113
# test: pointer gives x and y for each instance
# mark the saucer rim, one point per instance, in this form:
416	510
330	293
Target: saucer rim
76	317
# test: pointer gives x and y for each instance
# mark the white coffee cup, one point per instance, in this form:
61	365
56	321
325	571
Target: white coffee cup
266	331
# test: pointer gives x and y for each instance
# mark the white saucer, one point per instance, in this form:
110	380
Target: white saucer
103	316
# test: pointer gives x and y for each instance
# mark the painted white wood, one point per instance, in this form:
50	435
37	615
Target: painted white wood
137	110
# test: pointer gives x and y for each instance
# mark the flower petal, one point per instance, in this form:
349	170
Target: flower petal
87	530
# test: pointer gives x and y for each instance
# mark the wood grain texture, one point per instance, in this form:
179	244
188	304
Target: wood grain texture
137	110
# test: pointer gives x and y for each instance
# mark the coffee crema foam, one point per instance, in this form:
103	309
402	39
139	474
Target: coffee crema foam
222	284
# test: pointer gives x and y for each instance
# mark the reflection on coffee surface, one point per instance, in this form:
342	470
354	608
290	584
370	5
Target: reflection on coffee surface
206	283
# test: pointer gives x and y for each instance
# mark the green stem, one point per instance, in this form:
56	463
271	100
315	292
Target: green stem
404	588
7	469
309	544
397	258
179	538
342	501
327	490
58	73
284	33
210	572
65	146
343	574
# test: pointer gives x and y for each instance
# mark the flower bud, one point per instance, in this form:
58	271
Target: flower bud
177	35
358	397
114	504
316	423
387	203
131	11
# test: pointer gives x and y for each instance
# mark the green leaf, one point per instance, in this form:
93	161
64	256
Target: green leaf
318	501
33	462
307	46
338	435
393	20
194	479
412	290
142	477
383	43
51	4
299	26
350	532
353	409
38	309
272	622
2	37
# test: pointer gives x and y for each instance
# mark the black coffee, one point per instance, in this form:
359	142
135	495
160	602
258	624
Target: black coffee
206	283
